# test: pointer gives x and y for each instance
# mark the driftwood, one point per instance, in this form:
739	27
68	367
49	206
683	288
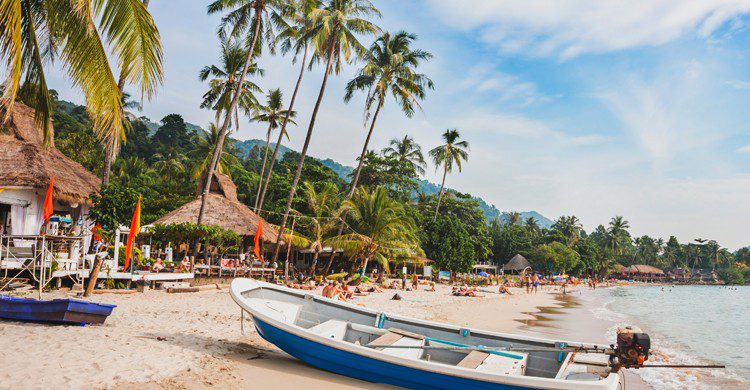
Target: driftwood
114	291
207	287
93	276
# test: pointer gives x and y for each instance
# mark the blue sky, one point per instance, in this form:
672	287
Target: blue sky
600	108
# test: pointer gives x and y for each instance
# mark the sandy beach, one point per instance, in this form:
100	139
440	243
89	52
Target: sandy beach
157	340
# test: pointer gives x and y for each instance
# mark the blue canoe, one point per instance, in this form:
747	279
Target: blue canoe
379	347
59	311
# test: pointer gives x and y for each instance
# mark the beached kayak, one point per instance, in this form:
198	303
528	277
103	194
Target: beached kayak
384	348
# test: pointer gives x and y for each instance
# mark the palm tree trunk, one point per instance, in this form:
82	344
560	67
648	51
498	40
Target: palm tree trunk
330	261
283	129
263	166
303	153
228	118
314	264
107	165
364	148
440	195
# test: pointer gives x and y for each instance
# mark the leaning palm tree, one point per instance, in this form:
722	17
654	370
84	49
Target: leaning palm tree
380	229
453	152
244	19
271	113
203	149
320	216
390	68
223	82
406	151
333	36
82	34
293	38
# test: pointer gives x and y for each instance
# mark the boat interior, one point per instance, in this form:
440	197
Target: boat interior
425	341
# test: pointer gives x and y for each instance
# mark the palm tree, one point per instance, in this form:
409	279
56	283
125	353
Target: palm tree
532	227
514	218
406	151
618	234
390	67
320	216
224	81
381	230
570	227
271	113
448	154
203	149
293	37
170	163
81	33
242	15
333	35
131	168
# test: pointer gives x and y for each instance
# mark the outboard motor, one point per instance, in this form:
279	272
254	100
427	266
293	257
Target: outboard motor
632	348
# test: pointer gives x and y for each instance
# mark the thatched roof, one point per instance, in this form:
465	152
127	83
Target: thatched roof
647	269
517	263
26	162
223	210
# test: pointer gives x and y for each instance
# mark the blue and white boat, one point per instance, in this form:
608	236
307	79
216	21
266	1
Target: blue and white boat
379	347
58	311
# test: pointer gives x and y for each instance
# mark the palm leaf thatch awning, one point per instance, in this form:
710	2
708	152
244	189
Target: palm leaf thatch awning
516	264
25	162
223	209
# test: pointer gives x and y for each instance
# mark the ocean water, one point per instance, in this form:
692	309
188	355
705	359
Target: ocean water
687	325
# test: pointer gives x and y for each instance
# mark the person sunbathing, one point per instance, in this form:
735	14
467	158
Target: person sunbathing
504	289
184	265
158	266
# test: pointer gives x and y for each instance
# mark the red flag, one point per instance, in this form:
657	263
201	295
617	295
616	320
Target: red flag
135	228
258	239
49	207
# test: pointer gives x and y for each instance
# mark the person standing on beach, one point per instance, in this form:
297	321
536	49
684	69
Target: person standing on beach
535	283
527	282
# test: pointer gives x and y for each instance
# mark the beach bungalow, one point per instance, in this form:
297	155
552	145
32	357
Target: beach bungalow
640	273
223	209
516	264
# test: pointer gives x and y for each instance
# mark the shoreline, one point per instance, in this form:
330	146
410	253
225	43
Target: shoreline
156	340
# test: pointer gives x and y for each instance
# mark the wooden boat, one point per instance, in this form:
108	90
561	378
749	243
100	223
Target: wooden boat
59	311
380	347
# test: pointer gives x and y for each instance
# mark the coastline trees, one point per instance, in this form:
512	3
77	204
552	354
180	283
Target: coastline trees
390	67
453	152
333	36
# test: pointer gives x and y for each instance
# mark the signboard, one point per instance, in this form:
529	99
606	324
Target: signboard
444	275
427	271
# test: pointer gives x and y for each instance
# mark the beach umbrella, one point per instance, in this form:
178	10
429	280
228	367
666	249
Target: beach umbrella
483	274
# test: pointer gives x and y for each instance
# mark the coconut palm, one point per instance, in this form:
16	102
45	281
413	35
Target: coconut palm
453	152
333	36
112	147
131	168
617	234
293	38
203	149
532	226
271	113
381	230
514	218
406	151
81	34
320	216
390	68
170	163
244	19
224	82
570	227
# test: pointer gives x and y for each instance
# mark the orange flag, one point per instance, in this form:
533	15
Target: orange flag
135	228
49	207
258	239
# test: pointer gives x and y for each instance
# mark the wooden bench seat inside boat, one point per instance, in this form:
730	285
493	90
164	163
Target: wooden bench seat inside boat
332	329
398	337
487	362
279	311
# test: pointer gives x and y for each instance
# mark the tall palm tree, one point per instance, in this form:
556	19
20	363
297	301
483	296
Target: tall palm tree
112	147
390	67
618	234
203	149
514	218
169	163
294	38
333	36
81	34
406	151
532	226
223	83
271	113
453	152
381	230
320	216
244	19
570	227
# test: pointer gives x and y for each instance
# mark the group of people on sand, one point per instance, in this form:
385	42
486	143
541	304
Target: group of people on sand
159	266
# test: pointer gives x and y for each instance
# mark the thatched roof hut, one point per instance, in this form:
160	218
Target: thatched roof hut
25	162
516	264
223	209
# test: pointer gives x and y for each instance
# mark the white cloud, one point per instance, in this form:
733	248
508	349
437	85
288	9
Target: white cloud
568	28
744	149
504	88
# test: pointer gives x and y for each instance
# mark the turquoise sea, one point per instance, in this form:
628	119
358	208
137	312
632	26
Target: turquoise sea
687	325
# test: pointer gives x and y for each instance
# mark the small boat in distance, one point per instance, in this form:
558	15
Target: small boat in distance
58	311
379	347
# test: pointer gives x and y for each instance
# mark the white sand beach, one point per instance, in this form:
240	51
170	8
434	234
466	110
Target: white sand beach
157	340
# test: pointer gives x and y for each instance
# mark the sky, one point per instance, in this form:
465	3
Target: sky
592	108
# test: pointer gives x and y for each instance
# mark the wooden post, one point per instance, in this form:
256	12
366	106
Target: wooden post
288	252
93	276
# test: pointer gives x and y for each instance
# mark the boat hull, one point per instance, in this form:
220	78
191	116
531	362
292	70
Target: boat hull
365	368
59	311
